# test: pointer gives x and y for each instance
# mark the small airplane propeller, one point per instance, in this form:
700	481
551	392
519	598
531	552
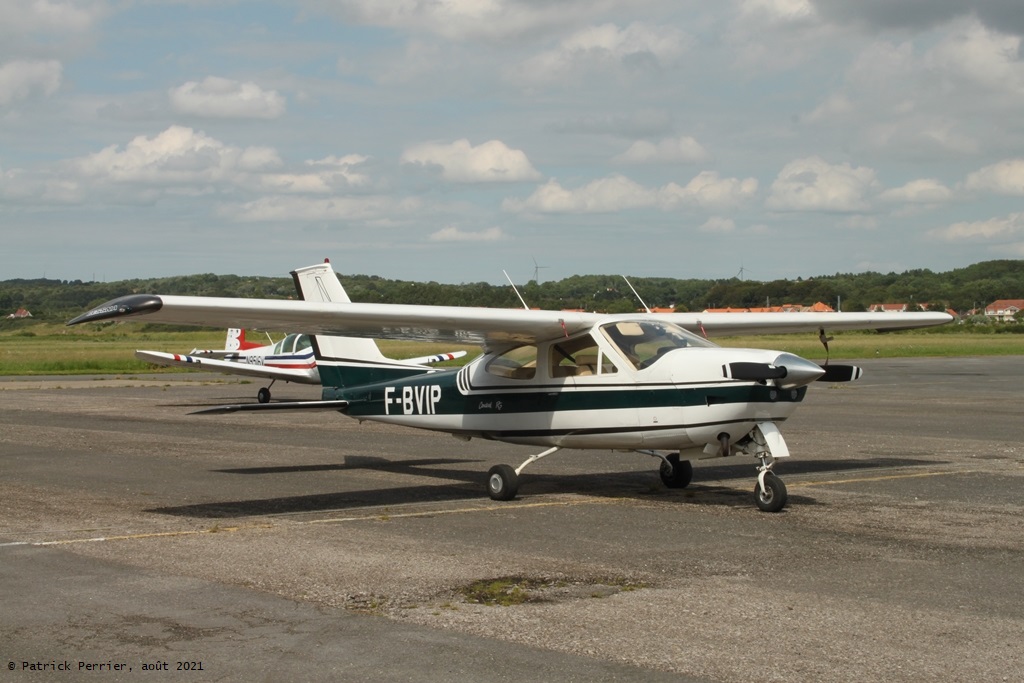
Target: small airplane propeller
753	372
840	373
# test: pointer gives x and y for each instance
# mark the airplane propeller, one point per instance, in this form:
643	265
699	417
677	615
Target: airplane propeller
840	373
753	372
790	371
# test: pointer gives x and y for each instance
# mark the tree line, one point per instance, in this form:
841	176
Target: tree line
961	289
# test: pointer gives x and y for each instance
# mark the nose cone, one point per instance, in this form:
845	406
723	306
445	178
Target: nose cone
799	371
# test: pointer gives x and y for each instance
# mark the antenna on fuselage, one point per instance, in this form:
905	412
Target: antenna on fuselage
523	301
646	307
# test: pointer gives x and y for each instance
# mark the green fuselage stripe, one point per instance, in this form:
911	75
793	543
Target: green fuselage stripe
437	394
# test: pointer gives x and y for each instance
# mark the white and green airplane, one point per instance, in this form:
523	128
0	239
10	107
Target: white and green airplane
550	379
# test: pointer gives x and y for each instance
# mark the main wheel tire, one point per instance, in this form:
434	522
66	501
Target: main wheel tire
773	497
502	482
263	395
678	475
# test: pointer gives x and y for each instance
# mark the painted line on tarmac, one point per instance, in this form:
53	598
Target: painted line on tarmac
383	516
134	537
888	477
370	517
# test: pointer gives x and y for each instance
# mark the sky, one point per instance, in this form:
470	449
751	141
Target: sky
449	140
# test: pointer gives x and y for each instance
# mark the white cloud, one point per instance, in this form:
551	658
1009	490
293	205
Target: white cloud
923	191
462	20
767	35
177	155
1005	227
44	16
606	195
224	98
460	162
619	193
774	12
291	209
718	224
453	234
710	190
604	49
934	96
682	149
1005	177
983	57
20	79
812	184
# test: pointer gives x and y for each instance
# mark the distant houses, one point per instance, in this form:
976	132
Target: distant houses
1004	310
784	308
20	313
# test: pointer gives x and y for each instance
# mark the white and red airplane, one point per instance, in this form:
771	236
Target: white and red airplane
292	359
550	379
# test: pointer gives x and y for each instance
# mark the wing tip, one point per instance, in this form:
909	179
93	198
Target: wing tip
121	307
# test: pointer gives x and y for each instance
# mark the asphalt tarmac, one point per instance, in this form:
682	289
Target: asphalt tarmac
312	547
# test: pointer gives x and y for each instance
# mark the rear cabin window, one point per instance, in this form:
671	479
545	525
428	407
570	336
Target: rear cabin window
517	363
580	357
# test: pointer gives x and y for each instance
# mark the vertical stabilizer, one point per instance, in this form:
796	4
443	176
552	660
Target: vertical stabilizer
345	361
320	283
235	340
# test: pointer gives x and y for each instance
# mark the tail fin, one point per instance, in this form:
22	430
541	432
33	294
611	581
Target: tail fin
345	361
235	340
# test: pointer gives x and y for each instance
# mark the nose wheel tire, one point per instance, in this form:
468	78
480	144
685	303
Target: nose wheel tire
502	482
676	474
772	497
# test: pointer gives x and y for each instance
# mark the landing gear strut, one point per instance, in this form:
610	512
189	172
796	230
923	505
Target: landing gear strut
503	481
770	493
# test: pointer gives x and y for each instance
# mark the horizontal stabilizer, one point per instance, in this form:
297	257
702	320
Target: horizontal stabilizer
340	406
840	373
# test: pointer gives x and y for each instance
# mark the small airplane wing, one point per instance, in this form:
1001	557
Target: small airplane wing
728	324
226	366
463	325
454	324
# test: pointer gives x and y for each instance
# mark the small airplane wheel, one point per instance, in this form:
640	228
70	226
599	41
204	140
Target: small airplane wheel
263	395
502	482
773	497
679	475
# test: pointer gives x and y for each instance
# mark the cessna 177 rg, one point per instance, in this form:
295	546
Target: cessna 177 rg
552	379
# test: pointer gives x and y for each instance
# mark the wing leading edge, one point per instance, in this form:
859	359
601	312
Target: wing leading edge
463	325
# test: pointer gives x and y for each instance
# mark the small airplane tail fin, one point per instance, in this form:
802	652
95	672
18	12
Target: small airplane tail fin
235	340
345	361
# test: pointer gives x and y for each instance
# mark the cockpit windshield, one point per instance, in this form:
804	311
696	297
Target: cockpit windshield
644	342
293	343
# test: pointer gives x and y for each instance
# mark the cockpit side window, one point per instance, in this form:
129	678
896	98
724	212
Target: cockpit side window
517	363
580	357
302	343
643	343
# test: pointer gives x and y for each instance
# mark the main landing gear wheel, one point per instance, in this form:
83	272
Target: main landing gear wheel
773	496
263	395
676	474
502	482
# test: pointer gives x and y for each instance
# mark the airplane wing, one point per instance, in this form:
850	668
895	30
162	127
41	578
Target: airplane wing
727	324
226	366
462	325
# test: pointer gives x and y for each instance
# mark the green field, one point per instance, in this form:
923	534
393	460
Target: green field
50	349
53	349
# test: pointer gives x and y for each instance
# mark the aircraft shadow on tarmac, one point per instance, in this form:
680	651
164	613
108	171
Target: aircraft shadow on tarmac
470	486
